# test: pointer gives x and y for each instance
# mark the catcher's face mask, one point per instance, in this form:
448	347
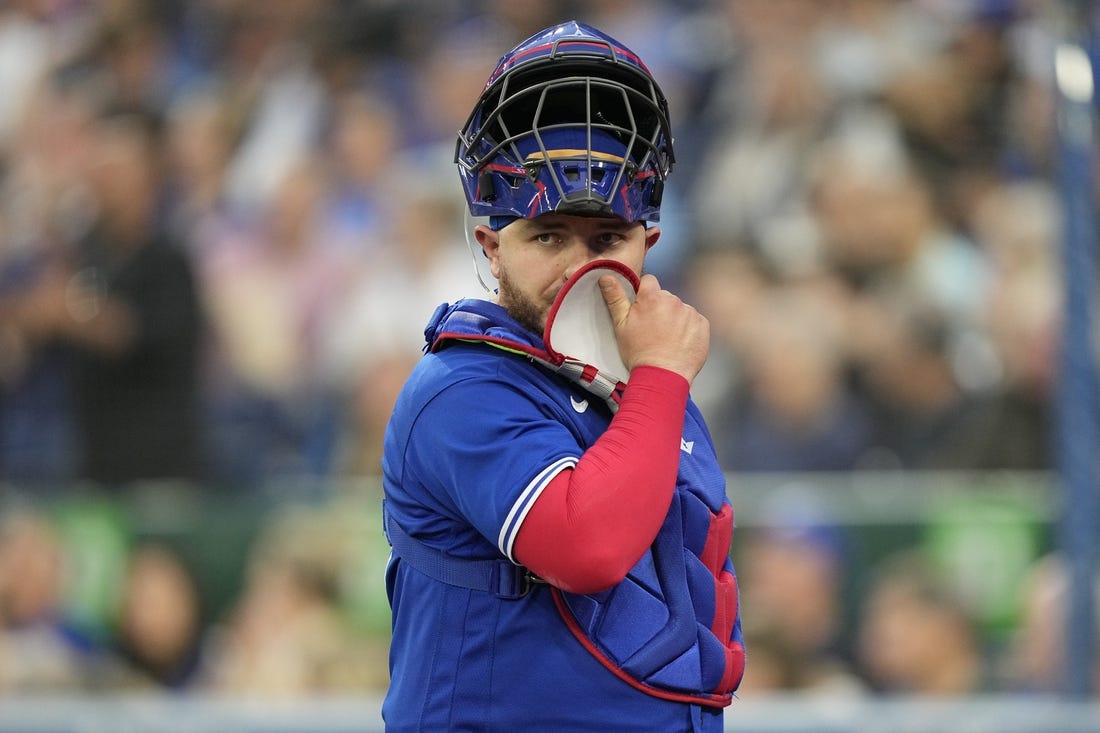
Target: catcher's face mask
570	121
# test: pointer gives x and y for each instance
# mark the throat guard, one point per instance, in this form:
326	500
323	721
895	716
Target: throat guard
578	342
579	325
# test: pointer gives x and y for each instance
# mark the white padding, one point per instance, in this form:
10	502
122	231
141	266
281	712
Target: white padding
581	327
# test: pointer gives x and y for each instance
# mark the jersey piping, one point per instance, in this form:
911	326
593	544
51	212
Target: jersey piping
514	521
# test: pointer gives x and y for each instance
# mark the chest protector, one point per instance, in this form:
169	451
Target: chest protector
671	628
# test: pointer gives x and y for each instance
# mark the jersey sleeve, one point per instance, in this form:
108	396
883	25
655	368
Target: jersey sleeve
485	450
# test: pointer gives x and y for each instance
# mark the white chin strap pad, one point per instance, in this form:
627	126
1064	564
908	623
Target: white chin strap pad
579	328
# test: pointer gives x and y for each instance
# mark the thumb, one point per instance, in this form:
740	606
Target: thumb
618	304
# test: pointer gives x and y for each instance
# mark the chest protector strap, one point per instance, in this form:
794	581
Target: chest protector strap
578	342
500	577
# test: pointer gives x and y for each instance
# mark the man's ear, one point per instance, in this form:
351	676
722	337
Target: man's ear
490	245
652	234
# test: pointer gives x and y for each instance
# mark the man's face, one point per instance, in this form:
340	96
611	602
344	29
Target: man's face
533	258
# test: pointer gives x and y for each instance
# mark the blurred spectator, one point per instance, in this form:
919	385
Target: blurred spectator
269	288
958	141
915	636
766	112
160	627
791	575
1035	659
126	305
43	648
864	45
452	71
796	411
1017	225
361	156
272	83
1030	115
777	668
372	346
917	289
45	207
925	420
725	282
286	635
127	54
36	434
883	233
32	35
36	653
200	137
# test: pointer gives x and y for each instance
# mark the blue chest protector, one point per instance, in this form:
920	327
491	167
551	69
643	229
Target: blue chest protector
672	627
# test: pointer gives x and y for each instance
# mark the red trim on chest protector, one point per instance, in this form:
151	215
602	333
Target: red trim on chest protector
710	700
714	555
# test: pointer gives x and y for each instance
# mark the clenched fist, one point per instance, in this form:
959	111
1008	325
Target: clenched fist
657	329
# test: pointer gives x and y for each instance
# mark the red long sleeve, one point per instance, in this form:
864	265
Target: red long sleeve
592	523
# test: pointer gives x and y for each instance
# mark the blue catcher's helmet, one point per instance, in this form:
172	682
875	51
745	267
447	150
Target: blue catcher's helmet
570	121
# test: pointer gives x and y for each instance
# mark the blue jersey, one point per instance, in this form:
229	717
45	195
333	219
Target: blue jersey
475	436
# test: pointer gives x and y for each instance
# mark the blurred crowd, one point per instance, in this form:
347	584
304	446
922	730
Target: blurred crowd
224	224
91	605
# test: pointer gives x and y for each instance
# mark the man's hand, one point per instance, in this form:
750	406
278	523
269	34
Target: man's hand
657	329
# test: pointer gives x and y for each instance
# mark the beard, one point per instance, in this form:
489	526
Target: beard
521	308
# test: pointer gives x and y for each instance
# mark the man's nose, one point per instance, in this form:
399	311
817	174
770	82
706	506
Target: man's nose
579	254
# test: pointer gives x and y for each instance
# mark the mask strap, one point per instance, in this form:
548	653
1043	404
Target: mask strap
475	251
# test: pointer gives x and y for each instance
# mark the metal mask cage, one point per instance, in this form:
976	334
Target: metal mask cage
600	120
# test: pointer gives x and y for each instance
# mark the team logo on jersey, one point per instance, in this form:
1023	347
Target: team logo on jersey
579	405
687	446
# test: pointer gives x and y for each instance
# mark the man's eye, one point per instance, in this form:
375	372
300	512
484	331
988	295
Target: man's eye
546	238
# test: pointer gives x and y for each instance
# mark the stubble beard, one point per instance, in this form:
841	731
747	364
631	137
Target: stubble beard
525	312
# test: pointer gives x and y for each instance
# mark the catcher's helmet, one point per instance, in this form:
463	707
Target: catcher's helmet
570	121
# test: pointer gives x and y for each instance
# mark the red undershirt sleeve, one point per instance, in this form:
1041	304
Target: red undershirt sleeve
593	522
